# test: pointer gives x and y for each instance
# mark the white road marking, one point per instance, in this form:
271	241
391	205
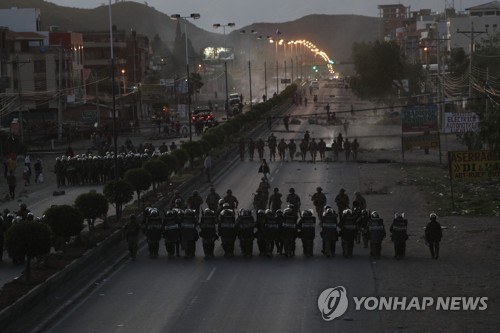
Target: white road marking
211	274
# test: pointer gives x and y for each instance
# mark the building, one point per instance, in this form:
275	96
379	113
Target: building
483	21
21	19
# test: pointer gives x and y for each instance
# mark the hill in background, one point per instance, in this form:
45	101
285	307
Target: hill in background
332	33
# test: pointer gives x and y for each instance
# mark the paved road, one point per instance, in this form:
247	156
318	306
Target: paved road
227	295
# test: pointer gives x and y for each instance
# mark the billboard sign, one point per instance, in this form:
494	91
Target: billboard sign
460	122
473	164
420	141
419	118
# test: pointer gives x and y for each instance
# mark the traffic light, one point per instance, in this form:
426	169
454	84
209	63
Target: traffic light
315	68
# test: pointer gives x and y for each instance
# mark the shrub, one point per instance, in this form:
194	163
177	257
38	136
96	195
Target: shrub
92	205
65	221
140	179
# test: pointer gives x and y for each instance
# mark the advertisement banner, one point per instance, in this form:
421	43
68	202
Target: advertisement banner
473	164
460	122
420	141
419	118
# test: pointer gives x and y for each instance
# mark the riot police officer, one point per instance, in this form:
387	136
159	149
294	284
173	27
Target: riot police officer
227	230
293	199
189	233
399	235
362	223
154	229
319	201
172	233
307	232
131	232
348	230
260	233
329	232
271	231
289	231
433	235
208	232
376	233
245	228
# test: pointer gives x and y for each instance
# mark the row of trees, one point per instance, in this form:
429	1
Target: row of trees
30	239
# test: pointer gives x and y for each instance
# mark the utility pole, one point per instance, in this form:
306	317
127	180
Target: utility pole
19	92
471	35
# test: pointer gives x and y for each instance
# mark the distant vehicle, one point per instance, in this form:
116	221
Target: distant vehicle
315	84
203	113
234	99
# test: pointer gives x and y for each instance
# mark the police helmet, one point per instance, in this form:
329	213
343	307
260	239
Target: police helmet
364	212
269	212
261	212
291	206
169	213
208	212
189	212
221	202
329	212
291	190
276	189
178	201
399	215
319	189
347	212
279	212
375	215
342	190
307	213
195	192
229	192
154	212
18	219
288	211
227	213
226	205
30	217
433	216
38	219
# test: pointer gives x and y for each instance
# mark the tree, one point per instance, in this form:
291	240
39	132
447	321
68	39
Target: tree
171	162
28	239
65	222
118	192
92	205
194	150
158	171
140	179
379	67
182	156
195	83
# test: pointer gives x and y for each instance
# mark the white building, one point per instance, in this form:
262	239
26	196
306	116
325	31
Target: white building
21	19
483	19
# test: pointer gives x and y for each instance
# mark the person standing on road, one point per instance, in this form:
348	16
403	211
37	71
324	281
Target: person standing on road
347	147
212	200
342	201
12	182
399	235
293	199
433	235
251	148
354	148
264	168
275	200
38	171
376	233
131	233
194	202
207	165
319	201
231	200
321	149
292	148
260	148
348	230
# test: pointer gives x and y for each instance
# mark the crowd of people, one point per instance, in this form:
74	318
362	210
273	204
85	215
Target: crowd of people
306	146
276	230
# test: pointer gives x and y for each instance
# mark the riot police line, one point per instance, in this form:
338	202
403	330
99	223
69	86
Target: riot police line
276	232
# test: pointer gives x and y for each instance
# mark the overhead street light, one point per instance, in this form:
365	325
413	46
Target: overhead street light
193	16
216	26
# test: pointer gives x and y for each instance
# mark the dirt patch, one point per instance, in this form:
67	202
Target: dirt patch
469	260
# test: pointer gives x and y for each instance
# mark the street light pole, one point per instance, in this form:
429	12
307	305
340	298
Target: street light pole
249	67
194	16
115	135
231	25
